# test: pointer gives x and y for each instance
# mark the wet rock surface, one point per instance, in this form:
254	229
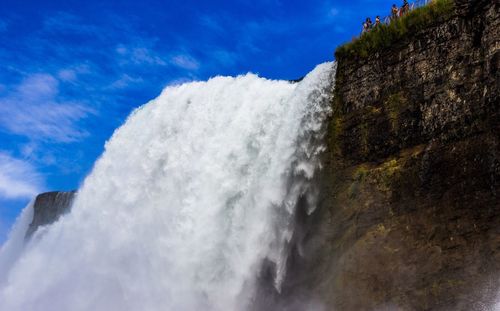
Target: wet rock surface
409	208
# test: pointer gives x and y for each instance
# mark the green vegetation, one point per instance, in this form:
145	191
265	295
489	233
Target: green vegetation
384	36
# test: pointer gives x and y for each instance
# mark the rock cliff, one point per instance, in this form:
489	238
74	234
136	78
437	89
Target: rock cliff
48	207
409	210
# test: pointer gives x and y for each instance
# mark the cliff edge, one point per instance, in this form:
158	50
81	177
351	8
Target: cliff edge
409	210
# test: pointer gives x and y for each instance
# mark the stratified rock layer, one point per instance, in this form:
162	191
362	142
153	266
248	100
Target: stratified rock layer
48	207
409	212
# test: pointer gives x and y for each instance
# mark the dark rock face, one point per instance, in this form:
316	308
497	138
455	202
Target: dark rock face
409	209
48	208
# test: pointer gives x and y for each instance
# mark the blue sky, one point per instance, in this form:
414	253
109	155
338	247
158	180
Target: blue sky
71	71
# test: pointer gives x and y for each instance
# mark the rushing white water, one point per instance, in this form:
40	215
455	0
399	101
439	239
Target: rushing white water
13	247
192	193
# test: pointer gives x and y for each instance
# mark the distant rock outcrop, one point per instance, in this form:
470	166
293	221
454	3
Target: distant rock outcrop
48	207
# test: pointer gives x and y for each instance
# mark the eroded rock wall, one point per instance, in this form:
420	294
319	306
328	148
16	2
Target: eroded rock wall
409	212
48	207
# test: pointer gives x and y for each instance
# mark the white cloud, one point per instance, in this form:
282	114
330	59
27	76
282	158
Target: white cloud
35	110
72	73
31	152
41	86
125	81
185	61
18	178
144	55
139	55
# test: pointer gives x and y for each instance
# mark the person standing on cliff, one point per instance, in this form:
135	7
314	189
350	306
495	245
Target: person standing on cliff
369	23
365	28
394	12
405	8
377	21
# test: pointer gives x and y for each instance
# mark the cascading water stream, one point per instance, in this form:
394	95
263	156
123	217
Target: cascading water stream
14	246
192	193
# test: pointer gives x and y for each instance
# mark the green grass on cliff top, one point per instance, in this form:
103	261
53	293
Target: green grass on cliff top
384	36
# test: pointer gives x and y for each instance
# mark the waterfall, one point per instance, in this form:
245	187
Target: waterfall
191	195
12	249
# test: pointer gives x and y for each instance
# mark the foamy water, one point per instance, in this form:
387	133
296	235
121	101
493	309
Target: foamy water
192	193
